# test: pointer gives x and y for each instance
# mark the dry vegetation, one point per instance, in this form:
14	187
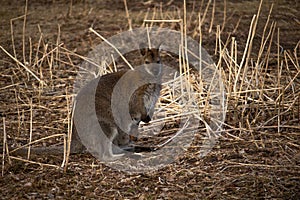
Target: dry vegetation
257	46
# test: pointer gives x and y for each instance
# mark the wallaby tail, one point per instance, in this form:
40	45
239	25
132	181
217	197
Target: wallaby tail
54	150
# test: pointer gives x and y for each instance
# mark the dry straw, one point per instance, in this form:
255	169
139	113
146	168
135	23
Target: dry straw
258	98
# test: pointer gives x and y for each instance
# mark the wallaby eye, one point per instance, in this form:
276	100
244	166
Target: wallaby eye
136	120
158	62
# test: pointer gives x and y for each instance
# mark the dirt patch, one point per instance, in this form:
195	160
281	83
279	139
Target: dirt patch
254	159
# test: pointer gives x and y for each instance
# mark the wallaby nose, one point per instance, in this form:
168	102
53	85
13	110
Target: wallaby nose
154	69
157	70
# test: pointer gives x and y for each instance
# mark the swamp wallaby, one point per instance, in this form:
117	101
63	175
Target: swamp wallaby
141	107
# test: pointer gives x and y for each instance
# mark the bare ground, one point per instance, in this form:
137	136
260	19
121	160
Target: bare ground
251	160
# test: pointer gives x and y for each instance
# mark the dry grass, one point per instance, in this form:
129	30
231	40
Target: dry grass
258	149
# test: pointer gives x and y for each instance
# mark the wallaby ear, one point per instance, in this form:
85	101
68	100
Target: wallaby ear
158	46
143	49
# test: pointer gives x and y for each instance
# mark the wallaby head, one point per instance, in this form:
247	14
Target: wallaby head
151	56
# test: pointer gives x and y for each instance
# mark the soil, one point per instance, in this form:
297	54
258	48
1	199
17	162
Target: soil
245	164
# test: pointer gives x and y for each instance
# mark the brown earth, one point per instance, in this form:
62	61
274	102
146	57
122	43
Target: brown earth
245	164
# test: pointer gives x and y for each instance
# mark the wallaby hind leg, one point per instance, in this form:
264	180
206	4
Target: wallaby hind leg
121	140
